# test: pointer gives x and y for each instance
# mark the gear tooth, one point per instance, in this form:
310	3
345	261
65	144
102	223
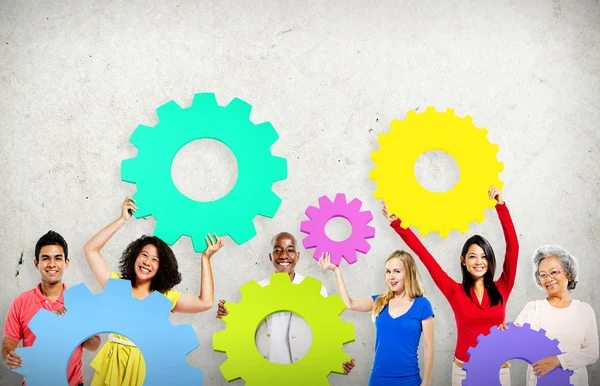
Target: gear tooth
243	232
41	320
130	170
324	202
141	136
495	148
381	138
249	289
186	338
450	111
526	325
204	100
309	242
369	233
158	303
278	169
311	284
500	166
373	175
430	109
166	232
311	212
335	304
409	114
346	332
462	229
239	108
374	155
143	205
229	370
77	294
363	247
542	331
349	255
470	351
355	205
306	227
168	109
282	279
424	232
480	218
268	204
444	233
340	199
468	119
267	132
484	132
199	243
221	341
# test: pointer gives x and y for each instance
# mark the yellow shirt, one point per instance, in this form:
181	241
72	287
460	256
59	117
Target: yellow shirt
118	364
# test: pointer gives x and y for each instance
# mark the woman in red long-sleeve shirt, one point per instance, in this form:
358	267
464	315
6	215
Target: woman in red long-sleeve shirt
478	302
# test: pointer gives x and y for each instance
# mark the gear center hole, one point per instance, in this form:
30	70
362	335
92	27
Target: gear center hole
275	342
204	170
338	229
437	171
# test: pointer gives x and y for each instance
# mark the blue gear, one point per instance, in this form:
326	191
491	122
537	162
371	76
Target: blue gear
177	214
145	322
498	347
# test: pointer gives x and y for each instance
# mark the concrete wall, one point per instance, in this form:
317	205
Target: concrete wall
77	77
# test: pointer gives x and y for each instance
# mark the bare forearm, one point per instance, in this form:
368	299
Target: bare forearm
97	242
428	365
92	343
207	285
341	288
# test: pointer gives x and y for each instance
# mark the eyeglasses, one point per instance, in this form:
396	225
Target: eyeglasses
553	275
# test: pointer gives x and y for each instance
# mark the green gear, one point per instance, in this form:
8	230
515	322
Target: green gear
322	314
178	215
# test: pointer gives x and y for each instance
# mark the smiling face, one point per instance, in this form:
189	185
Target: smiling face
394	274
553	277
475	261
146	264
284	255
51	263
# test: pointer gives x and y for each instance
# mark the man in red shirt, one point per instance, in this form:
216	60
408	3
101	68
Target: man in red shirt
51	259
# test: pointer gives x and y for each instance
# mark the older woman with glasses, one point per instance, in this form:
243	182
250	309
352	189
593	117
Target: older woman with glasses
571	321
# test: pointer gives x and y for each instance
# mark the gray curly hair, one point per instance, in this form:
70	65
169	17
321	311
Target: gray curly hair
568	261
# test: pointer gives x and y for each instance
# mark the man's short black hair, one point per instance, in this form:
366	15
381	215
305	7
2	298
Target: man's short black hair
51	238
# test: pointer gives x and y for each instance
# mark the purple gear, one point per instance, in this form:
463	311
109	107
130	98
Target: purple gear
517	343
327	210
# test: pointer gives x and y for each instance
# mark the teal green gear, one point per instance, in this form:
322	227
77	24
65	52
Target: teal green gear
329	333
176	214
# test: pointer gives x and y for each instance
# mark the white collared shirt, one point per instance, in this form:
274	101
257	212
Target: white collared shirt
279	347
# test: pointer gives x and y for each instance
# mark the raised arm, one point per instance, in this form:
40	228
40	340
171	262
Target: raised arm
441	279
359	304
509	268
192	304
92	248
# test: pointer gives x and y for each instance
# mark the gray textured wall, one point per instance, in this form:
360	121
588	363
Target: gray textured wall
76	77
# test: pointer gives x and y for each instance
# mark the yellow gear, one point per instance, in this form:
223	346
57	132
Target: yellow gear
322	314
418	207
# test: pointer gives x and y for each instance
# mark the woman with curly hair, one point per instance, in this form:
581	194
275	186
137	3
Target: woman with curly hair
150	265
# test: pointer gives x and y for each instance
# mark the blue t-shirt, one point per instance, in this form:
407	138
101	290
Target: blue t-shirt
396	343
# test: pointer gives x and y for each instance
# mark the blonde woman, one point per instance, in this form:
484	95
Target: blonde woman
400	315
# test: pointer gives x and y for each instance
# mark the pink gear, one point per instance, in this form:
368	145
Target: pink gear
327	210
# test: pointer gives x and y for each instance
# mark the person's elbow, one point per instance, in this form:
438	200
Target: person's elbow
92	343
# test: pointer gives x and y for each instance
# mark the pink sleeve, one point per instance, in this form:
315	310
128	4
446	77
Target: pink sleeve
13	329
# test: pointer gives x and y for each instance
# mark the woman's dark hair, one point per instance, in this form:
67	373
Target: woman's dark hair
51	238
488	277
166	277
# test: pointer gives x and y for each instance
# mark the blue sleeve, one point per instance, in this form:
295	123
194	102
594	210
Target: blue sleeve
374	297
426	309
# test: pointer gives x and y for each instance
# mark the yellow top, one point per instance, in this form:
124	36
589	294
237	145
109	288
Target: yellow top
118	364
